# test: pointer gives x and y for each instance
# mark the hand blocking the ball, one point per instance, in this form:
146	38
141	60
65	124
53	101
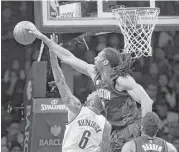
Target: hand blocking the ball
25	33
21	35
34	32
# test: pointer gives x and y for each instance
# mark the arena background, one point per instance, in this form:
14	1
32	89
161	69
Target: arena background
159	74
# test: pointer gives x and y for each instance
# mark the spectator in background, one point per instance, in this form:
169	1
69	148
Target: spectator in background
7	15
150	81
177	96
173	134
172	49
102	42
139	65
15	73
16	147
165	38
138	77
13	83
113	41
10	81
4	148
7	34
80	50
164	92
23	10
13	131
161	109
7	21
89	57
152	92
15	68
176	67
6	118
162	62
173	83
153	72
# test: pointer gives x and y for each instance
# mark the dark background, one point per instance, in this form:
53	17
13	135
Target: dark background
159	74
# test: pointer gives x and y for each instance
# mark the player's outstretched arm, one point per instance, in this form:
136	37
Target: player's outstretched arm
136	91
171	148
68	98
66	56
106	139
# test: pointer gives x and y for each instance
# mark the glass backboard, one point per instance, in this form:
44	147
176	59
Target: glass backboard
94	16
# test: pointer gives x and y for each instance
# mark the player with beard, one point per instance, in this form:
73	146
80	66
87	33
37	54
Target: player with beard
118	90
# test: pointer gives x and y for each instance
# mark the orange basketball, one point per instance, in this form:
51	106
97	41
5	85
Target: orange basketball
21	34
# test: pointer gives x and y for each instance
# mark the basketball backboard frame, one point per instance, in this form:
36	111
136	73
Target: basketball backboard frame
107	22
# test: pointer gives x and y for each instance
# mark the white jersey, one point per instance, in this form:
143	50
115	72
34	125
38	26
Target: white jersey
84	133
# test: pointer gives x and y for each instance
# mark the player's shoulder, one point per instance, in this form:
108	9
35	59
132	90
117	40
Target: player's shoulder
84	109
125	78
126	82
129	146
171	147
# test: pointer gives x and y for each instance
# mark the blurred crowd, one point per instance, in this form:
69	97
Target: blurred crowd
159	74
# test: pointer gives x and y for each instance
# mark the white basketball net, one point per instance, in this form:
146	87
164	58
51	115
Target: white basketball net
137	25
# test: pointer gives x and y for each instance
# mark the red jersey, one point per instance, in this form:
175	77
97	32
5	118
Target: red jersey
121	109
145	143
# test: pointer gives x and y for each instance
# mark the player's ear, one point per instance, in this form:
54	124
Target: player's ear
106	62
91	103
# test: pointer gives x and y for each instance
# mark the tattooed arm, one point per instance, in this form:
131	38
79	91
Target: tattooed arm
65	55
68	98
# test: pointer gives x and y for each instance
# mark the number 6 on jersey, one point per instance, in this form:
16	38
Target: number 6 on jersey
84	139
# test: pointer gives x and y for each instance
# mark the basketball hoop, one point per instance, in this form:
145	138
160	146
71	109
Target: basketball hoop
137	25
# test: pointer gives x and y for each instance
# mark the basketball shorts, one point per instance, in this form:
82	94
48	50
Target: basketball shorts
120	137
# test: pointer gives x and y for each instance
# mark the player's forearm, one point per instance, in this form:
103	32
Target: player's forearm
61	52
53	61
146	101
146	107
67	97
140	95
59	76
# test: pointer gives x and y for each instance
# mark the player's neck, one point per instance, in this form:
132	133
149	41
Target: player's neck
94	110
105	73
143	134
